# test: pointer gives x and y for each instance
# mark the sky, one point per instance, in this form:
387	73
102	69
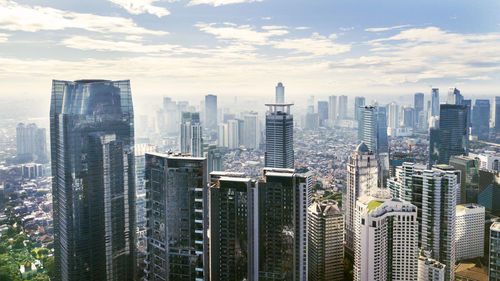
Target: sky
233	48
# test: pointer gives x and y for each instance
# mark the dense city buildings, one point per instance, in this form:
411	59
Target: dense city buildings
469	236
280	93
326	241
362	176
359	103
210	121
452	136
177	217
454	97
494	253
386	238
31	143
430	269
481	119
433	192
488	159
279	136
283	199
233	225
191	141
93	182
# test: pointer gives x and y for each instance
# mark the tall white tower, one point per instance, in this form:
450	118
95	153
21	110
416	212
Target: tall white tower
280	93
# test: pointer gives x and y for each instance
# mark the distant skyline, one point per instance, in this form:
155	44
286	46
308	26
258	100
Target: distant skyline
188	48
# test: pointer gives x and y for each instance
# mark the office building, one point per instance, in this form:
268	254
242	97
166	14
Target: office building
312	121
386	238
481	119
408	117
362	176
280	93
393	115
177	215
332	109
497	115
211	112
452	136
93	182
430	269
372	128
223	135
494	253
233	137
454	97
469	236
32	171
284	196
251	130
489	160
326	242
418	103
433	192
323	112
191	141
342	115
469	178
279	136
31	143
233	225
435	102
214	157
359	102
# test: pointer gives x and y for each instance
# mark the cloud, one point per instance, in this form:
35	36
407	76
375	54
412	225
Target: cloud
302	28
16	17
137	7
317	44
217	3
86	43
274	27
4	37
346	28
241	33
380	29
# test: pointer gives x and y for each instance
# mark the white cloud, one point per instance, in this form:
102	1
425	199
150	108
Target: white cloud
380	29
217	3
241	33
317	45
137	7
86	43
302	28
342	28
274	27
16	17
4	37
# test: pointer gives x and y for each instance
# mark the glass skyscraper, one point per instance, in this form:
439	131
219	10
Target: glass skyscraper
93	181
481	119
211	112
279	137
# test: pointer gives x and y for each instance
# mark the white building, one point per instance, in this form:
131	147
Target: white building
494	259
386	238
469	234
488	160
362	175
332	110
251	130
233	134
430	269
223	135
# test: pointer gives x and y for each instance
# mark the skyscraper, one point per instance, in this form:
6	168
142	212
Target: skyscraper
452	136
31	143
469	178
430	269
214	157
284	196
279	136
191	141
233	134
433	192
332	109
177	215
280	93
386	239
372	128
469	237
494	256
211	112
454	97
93	182
326	241
359	102
342	108
323	112
393	115
497	115
251	130
481	119
362	175
418	103
233	224
408	117
435	102
223	135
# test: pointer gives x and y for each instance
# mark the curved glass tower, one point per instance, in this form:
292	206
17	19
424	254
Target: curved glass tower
93	184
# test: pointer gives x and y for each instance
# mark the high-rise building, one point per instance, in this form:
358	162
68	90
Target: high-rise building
211	112
279	136
342	108
223	135
469	178
433	192
408	117
233	134
332	109
494	256
312	121
251	130
93	182
418	103
323	112
489	160
393	115
497	115
191	141
362	175
372	128
435	102
430	269
284	196
31	143
177	215
280	93
214	157
233	224
454	97
452	136
359	102
469	237
326	241
386	238
481	119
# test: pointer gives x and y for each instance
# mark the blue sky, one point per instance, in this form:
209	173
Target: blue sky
244	47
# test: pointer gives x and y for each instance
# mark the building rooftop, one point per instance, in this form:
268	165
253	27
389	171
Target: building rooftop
374	204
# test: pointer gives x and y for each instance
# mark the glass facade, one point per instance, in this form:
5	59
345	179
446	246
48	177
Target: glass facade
92	151
279	137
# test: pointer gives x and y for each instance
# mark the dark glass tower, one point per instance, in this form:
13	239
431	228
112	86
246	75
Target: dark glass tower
359	102
211	112
93	181
372	128
481	119
279	137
